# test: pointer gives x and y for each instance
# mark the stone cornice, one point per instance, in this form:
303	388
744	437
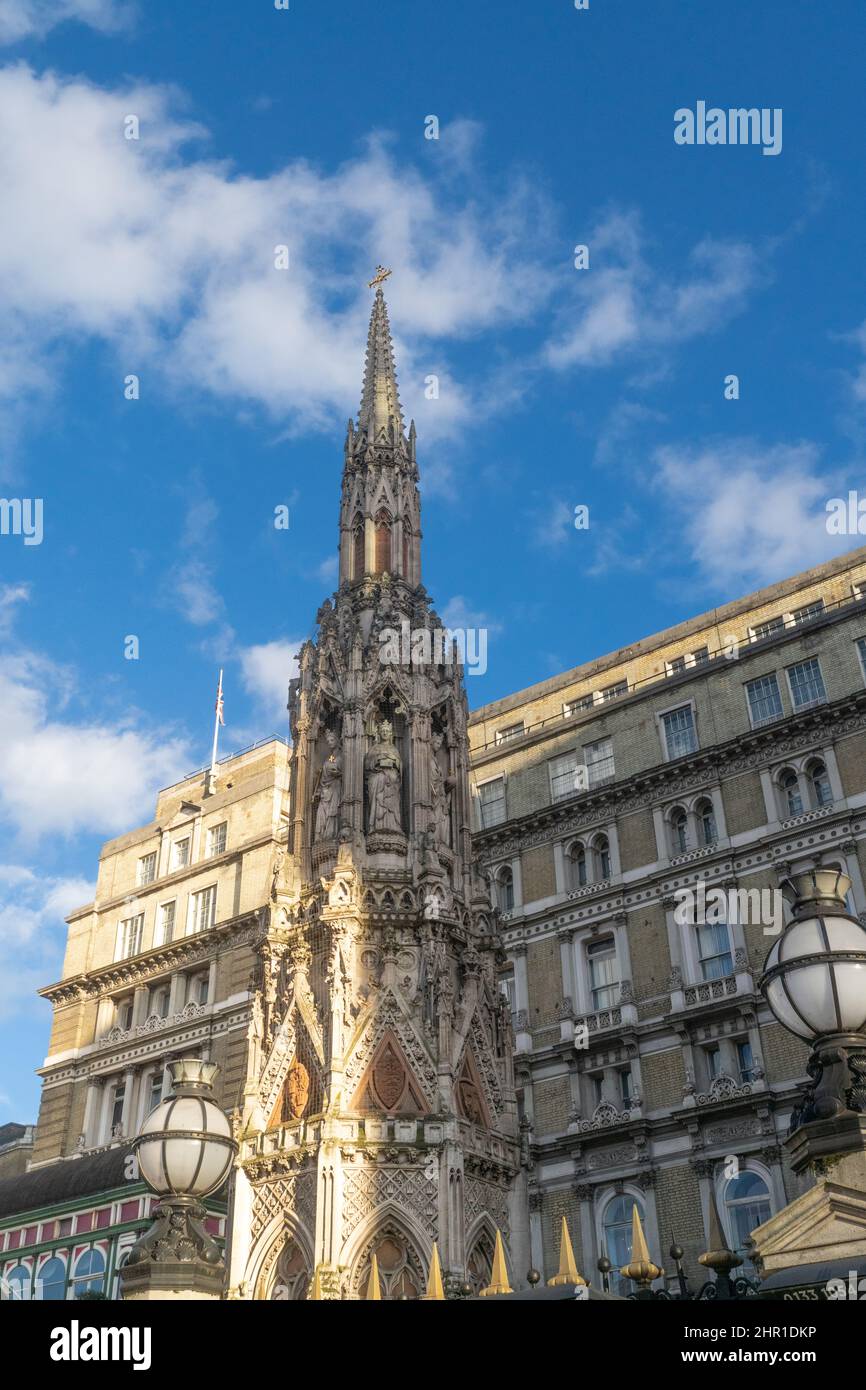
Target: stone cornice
746	752
178	955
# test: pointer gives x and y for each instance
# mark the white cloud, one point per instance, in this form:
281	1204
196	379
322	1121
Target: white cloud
32	909
170	257
266	670
622	305
25	19
66	776
10	596
748	514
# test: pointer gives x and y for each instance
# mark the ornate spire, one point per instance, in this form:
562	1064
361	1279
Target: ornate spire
499	1278
380	403
567	1268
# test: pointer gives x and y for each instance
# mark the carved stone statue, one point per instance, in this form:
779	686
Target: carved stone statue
384	781
440	794
330	791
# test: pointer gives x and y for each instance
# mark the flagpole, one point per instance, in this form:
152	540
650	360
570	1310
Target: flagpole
216	732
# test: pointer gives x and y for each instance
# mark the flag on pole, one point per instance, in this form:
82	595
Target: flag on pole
218	719
219	701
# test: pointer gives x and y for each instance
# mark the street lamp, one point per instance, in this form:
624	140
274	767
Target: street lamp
814	981
185	1151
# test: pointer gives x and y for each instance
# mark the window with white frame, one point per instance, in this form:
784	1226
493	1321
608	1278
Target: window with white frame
166	922
154	1091
679	831
604	979
491	802
157	1004
88	1273
599	762
115	1107
180	853
129	934
616	1234
713	1059
576	866
714	950
580	702
819	785
197	989
510	731
769	626
701	655
809	610
745	1060
765	702
563	775
747	1204
202	909
216	839
123	1013
613	692
680	735
792	800
505	889
675	665
601	857
147	869
706	819
806	683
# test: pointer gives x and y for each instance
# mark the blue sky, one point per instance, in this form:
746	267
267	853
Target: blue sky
306	127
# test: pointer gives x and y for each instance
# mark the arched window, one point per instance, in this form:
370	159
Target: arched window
747	1205
358	549
577	866
292	1275
616	1230
707	822
822	794
791	798
679	831
89	1271
16	1284
604	982
51	1280
400	1274
505	890
601	848
383	543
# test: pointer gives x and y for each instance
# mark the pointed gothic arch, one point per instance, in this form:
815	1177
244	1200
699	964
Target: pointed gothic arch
358	547
383	524
402	1251
387	1084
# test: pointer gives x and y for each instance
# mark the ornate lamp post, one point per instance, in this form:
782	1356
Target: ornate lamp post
185	1151
814	980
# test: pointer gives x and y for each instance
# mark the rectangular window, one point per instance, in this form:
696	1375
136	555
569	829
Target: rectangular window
597	1089
509	732
714	950
613	692
680	736
123	1013
574	706
861	652
599	762
202	909
492	802
809	610
807	684
563	776
129	936
744	1060
197	989
147	869
625	1087
117	1095
678	664
765	702
603	974
768	627
714	1062
154	1094
167	913
180	853
216	839
701	655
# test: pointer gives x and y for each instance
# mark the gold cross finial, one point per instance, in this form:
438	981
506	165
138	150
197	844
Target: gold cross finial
380	277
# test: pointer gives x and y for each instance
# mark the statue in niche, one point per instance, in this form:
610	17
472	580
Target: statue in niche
440	793
330	791
384	781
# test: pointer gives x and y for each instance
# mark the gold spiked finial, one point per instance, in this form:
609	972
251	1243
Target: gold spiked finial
567	1268
379	278
499	1278
316	1290
640	1268
720	1257
373	1289
435	1289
